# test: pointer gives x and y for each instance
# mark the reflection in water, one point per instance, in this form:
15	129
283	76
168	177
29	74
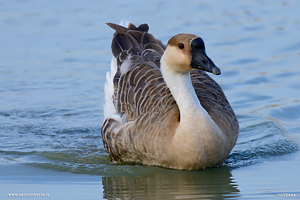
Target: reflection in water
171	184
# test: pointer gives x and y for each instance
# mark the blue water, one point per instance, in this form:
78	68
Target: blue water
53	60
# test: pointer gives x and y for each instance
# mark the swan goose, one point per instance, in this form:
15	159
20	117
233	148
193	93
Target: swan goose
161	107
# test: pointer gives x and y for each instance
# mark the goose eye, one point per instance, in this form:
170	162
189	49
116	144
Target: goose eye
181	46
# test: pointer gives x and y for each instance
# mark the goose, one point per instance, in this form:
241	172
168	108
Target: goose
162	108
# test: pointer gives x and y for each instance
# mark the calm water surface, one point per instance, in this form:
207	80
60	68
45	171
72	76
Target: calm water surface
54	56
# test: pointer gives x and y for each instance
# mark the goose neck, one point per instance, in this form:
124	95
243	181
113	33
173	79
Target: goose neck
181	87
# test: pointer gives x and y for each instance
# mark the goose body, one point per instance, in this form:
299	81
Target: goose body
161	107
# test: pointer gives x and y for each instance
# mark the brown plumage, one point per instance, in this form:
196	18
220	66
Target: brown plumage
147	117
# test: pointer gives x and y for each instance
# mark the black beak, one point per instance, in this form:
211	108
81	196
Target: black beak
199	58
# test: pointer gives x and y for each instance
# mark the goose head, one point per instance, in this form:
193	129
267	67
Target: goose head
186	52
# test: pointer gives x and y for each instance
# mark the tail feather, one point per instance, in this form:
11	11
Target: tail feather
120	43
118	28
109	108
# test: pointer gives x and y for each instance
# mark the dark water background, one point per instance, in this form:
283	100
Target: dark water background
53	60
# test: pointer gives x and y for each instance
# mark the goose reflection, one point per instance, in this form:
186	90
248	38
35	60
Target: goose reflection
208	184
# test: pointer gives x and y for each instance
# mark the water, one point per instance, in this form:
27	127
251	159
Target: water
54	56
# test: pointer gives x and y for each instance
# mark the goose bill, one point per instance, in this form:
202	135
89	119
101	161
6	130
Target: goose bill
201	61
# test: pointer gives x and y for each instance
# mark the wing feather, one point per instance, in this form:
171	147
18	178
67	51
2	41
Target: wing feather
214	101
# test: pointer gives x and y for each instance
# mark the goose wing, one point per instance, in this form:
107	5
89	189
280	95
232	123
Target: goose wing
214	101
144	104
138	84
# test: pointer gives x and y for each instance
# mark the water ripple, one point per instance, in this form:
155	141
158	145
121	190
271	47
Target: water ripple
259	142
80	150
